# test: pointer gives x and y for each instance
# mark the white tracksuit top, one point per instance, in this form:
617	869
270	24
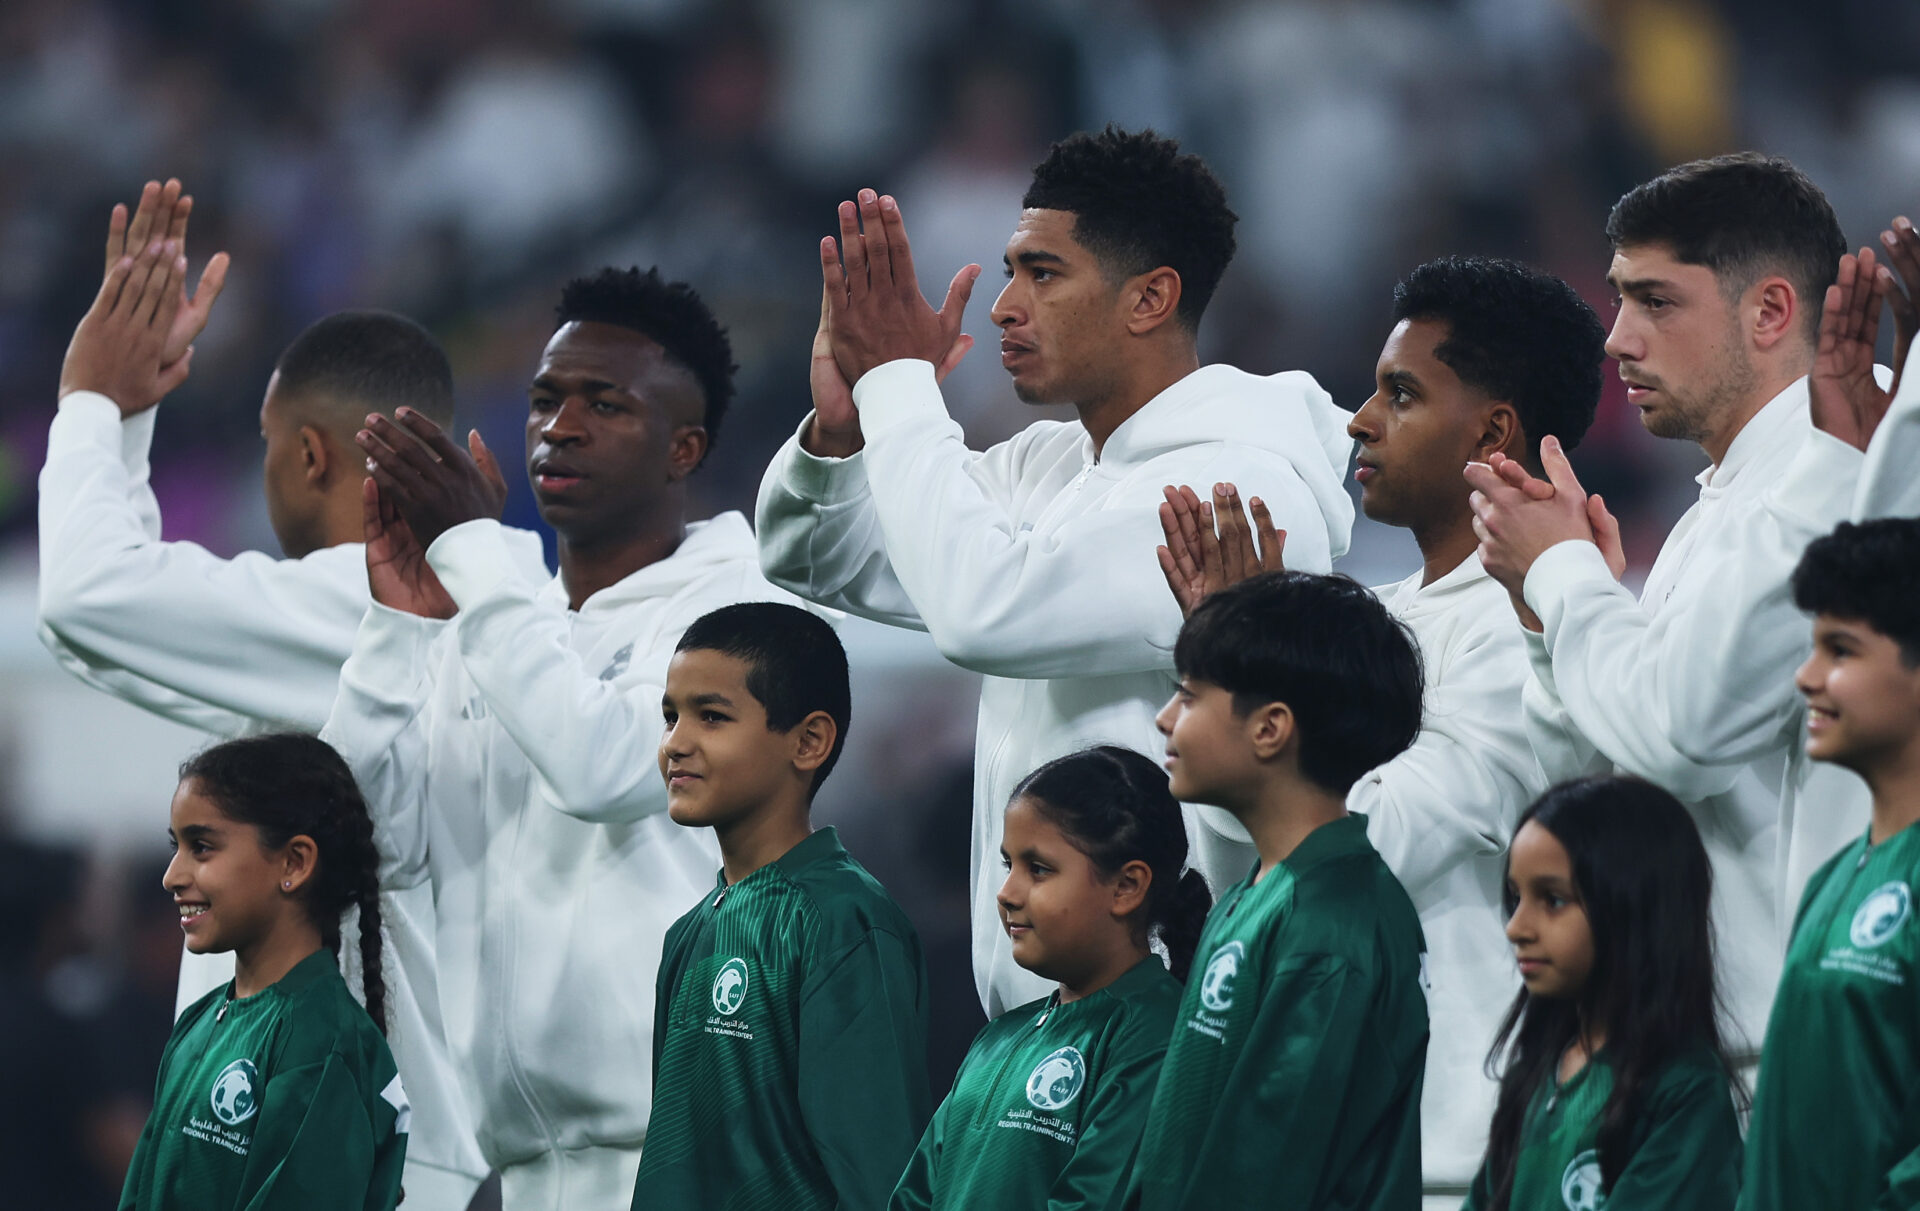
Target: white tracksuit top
1033	563
510	758
231	647
1441	814
1691	687
1890	476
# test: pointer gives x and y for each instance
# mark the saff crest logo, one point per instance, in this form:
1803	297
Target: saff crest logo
1881	915
1216	986
1580	1184
1056	1080
234	1099
730	987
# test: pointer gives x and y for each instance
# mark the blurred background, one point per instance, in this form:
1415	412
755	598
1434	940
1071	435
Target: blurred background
457	160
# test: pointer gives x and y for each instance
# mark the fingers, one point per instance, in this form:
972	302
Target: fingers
1176	580
111	287
146	267
954	309
853	252
177	228
406	454
1902	245
1863	300
879	255
1236	539
1606	535
371	524
1273	542
116	235
172	291
962	345
213	279
1484	480
434	437
173	374
899	251
1559	471
162	288
484	459
140	228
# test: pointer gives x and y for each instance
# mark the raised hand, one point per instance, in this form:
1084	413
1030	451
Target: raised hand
162	212
876	311
432	483
835	429
1518	521
118	346
1196	561
1902	243
397	568
1847	402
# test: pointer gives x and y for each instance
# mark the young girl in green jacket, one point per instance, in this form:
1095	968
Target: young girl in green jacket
277	1090
1616	1091
1048	1106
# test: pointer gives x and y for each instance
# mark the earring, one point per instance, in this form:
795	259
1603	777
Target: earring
287	884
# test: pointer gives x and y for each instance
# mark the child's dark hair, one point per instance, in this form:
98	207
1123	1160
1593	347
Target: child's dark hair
672	315
1515	334
1867	572
1743	216
1139	203
287	785
1114	806
1326	647
1645	885
795	665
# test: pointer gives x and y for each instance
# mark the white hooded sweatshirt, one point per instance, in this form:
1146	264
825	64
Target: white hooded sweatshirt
233	647
1441	814
510	759
1033	563
1691	687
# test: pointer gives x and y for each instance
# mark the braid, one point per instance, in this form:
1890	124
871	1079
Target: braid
1184	916
288	785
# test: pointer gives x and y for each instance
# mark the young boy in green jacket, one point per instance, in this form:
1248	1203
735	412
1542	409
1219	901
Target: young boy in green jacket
1293	1077
1836	1116
791	1018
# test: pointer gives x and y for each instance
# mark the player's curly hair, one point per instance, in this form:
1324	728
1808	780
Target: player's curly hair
289	784
1742	216
672	314
1515	334
1867	572
1139	203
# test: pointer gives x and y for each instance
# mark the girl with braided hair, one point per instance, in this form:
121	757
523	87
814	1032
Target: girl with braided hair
277	1089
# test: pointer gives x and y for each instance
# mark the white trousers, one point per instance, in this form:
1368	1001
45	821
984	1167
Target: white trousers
585	1179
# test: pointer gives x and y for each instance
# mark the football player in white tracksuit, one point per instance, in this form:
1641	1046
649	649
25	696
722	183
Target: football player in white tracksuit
1014	560
252	643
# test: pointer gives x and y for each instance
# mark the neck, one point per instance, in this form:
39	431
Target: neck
342	519
1102	415
1771	381
1116	962
762	836
265	961
1285	812
1895	784
590	565
1445	543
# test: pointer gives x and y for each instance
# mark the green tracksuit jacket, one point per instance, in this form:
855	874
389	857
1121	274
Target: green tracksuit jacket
789	1043
1836	1116
1685	1146
1293	1076
284	1099
1048	1106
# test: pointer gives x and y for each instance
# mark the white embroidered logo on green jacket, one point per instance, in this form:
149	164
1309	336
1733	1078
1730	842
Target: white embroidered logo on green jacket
1056	1080
234	1100
1881	915
1216	986
1580	1184
730	987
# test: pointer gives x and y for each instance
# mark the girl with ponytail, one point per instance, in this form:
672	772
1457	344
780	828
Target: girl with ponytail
277	1089
1048	1107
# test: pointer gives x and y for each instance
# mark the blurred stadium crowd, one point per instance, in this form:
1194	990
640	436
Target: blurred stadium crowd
456	160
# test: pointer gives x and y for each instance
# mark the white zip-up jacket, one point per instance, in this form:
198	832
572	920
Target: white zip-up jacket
510	759
232	647
1441	814
1033	563
1692	686
1890	475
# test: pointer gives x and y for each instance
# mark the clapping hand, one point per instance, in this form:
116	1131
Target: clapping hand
1846	400
397	568
432	483
875	311
1518	517
1197	561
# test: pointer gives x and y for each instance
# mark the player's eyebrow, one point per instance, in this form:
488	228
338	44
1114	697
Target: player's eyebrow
1035	257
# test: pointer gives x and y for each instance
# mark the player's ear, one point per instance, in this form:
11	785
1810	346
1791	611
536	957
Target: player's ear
1153	299
813	740
1130	886
1500	433
316	455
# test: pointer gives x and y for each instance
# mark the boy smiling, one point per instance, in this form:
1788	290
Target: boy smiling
790	1013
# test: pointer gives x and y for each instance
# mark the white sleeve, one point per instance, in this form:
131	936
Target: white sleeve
1087	597
1890	477
170	626
593	744
378	726
1456	793
820	538
1706	684
1562	751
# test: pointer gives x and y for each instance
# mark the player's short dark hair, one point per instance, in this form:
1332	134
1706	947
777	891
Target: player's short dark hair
795	664
672	315
1138	204
1867	572
358	362
1743	216
1515	334
1325	646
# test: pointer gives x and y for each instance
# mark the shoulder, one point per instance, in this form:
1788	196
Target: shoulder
843	911
323	1021
1352	907
1694	1083
1143	1019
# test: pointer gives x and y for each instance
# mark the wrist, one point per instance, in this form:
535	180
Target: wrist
817	440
